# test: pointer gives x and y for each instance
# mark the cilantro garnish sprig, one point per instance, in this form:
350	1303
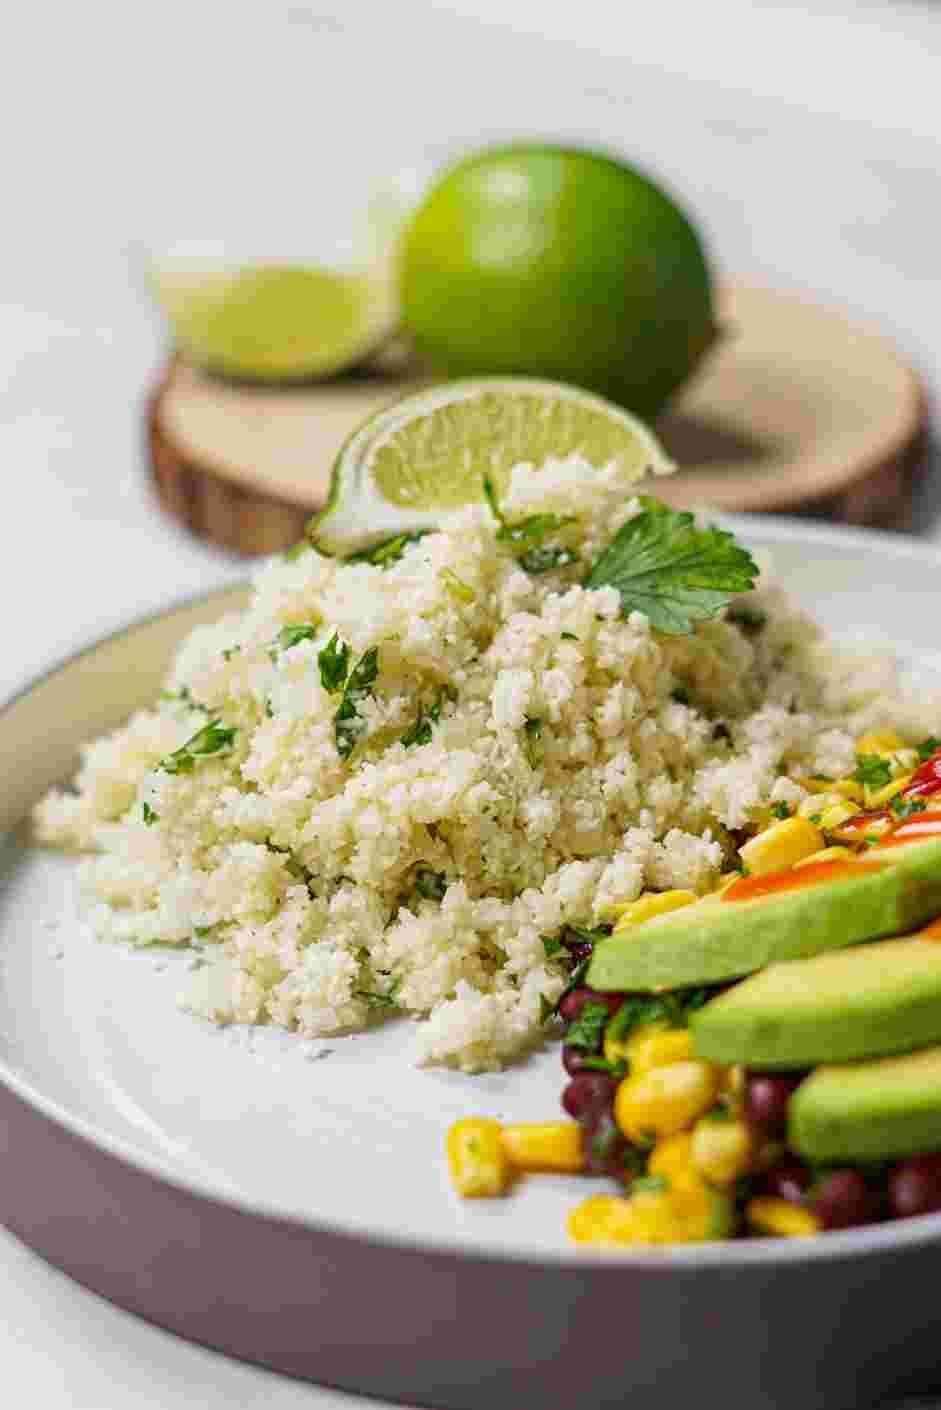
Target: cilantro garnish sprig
675	573
388	551
333	661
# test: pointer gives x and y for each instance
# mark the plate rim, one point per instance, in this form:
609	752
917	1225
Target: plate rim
847	1244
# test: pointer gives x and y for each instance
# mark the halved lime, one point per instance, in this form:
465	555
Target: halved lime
430	453
277	322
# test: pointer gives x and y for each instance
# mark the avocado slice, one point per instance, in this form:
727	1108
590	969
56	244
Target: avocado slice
823	906
878	1110
863	1002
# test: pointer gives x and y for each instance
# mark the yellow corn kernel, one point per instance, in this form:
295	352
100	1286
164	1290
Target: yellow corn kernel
661	1101
880	742
652	904
603	1219
781	846
722	1151
879	797
827	854
777	1216
672	1157
477	1160
652	1045
552	1146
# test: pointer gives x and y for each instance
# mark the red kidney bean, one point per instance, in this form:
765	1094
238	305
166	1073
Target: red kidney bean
843	1200
573	1003
788	1180
767	1095
587	1094
915	1186
603	1144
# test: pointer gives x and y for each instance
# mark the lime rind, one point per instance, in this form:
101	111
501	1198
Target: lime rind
428	455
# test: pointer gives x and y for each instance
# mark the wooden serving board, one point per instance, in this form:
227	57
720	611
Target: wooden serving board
798	410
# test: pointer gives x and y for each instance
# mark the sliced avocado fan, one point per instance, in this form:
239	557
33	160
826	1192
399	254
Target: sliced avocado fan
886	892
879	1110
862	1002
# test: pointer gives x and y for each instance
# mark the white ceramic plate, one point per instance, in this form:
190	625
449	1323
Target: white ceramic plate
91	1032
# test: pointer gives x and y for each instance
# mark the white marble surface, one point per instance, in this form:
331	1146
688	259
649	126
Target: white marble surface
806	138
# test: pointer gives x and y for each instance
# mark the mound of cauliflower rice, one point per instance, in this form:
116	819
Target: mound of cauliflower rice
509	756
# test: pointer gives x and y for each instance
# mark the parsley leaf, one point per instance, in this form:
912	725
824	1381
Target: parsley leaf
872	771
680	695
388	551
588	1029
334	662
567	636
781	810
211	739
671	1009
550	943
347	724
904	807
150	817
927	747
673	572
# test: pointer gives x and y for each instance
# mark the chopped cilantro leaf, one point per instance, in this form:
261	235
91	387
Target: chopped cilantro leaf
211	739
567	636
150	817
334	662
927	747
375	1000
904	807
546	1010
532	743
550	943
781	810
816	819
289	636
297	550
389	551
526	536
578	974
751	620
676	574
347	724
650	1184
229	652
680	695
588	1029
872	771
420	731
673	1010
430	885
600	1064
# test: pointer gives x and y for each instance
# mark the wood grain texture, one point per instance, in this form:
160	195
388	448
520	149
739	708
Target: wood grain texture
799	411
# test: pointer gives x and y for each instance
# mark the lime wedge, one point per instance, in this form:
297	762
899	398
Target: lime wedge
429	454
272	322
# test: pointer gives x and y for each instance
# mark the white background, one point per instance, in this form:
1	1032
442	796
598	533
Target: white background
806	139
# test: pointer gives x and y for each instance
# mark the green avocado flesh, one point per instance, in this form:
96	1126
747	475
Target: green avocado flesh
715	940
869	1110
857	1003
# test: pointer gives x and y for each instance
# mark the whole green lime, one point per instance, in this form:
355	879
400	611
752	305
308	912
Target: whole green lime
559	263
